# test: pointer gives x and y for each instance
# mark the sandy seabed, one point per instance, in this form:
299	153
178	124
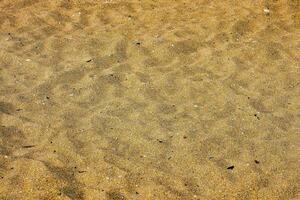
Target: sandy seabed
149	99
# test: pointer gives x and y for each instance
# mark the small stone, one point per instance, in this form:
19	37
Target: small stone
231	167
266	10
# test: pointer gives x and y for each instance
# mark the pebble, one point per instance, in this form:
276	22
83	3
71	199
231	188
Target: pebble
266	11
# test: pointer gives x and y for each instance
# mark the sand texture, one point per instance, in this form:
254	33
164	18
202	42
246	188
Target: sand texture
149	99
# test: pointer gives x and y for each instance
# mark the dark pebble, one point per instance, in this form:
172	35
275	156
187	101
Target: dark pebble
230	167
256	116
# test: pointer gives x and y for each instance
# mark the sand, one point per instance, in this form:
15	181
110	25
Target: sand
149	100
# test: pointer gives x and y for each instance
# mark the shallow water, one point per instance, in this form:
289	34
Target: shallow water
149	99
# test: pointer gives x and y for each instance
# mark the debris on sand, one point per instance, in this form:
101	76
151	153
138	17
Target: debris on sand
267	11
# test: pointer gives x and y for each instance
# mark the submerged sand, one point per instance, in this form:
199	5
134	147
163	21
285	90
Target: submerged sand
149	100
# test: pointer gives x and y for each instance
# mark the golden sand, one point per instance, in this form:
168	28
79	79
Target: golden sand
149	99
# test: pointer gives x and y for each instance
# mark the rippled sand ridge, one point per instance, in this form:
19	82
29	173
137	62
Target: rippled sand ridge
149	99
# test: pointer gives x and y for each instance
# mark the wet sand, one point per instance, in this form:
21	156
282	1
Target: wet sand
149	100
